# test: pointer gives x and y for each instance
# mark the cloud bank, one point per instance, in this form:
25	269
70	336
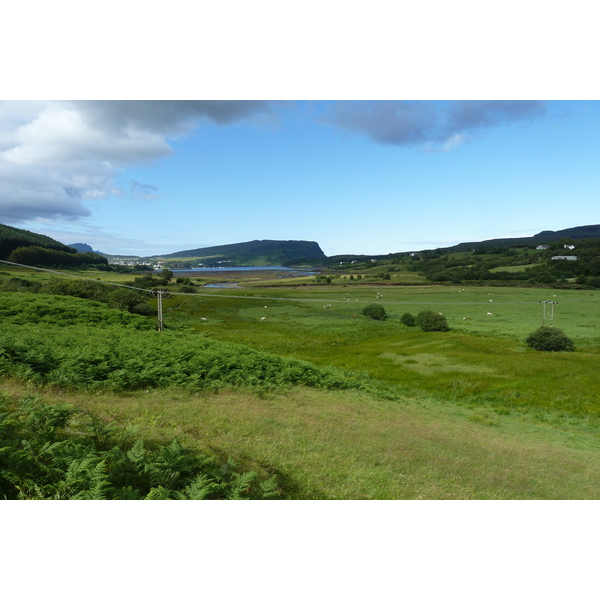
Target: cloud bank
56	156
434	125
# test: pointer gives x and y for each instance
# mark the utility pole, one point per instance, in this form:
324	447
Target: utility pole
160	294
551	309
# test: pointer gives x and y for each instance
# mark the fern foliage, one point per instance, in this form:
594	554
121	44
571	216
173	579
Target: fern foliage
57	452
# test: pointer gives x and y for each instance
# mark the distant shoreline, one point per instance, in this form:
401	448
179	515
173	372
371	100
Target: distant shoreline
230	269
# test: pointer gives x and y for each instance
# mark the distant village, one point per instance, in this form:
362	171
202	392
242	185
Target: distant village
158	265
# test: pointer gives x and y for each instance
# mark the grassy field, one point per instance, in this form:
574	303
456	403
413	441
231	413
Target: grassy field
483	360
467	414
352	445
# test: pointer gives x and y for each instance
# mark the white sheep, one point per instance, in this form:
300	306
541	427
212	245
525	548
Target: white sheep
490	314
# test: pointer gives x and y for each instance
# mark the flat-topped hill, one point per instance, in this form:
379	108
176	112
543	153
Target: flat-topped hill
255	253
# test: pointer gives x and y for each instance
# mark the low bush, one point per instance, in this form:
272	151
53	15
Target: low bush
408	319
374	311
428	320
550	339
15	284
144	309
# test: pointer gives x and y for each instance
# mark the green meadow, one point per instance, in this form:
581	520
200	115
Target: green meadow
483	356
339	406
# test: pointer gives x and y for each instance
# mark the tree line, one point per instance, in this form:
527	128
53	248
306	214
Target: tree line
36	256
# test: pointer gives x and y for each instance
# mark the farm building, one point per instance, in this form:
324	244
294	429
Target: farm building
564	258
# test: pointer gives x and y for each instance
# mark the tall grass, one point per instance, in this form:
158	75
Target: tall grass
350	445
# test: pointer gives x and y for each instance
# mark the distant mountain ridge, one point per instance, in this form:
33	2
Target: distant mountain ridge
278	252
572	233
84	248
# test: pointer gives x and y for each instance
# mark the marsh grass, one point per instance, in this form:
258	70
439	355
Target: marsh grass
475	367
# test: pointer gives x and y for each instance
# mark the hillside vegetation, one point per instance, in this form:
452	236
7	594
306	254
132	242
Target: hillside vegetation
12	238
81	345
24	247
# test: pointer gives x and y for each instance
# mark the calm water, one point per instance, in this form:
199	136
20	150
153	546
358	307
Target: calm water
219	269
285	272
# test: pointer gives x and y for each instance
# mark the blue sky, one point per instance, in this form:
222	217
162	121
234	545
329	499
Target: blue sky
364	177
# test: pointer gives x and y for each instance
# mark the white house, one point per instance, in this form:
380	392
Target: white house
564	258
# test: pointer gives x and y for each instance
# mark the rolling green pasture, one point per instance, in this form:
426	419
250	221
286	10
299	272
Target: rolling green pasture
467	414
483	360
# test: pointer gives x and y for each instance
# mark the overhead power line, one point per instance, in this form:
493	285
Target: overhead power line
76	276
249	297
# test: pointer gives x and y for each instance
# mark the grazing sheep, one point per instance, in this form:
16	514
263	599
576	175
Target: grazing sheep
263	318
490	314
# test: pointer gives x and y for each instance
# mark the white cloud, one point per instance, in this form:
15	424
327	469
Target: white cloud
56	156
453	141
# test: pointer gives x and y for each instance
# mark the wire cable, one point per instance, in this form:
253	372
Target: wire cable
76	276
247	297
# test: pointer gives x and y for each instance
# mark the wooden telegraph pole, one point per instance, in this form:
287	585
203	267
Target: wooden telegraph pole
551	316
160	294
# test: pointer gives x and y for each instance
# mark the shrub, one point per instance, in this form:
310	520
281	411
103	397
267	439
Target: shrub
144	309
374	311
550	339
408	320
428	320
15	284
123	299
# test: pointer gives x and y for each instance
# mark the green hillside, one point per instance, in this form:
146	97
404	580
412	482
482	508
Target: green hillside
255	253
544	237
12	238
